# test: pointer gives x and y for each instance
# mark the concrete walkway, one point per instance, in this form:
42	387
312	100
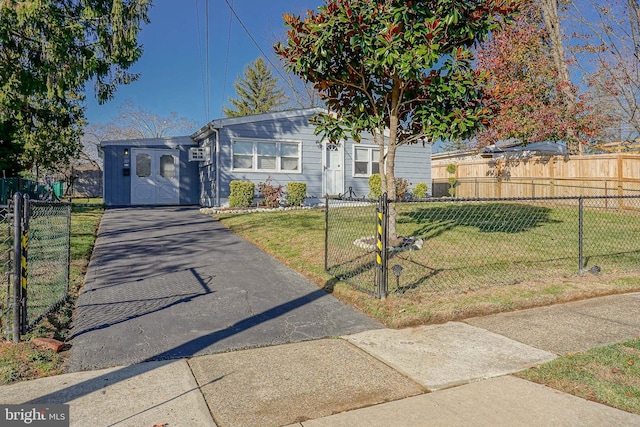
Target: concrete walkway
455	374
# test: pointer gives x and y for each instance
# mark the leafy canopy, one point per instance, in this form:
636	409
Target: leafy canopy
49	50
404	66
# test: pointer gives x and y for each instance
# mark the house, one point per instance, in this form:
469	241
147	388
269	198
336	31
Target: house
281	146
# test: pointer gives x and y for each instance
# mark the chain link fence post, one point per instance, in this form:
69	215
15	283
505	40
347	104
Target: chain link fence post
580	235
381	246
24	260
17	266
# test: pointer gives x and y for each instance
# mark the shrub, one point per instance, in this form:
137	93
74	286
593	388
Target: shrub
375	183
451	168
270	194
296	193
420	192
402	186
241	194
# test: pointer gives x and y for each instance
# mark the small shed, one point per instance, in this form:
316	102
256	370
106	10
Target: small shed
153	171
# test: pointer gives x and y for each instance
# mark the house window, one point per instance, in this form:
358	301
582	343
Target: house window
365	161
267	156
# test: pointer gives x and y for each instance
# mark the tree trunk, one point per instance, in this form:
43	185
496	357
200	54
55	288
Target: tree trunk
390	159
552	24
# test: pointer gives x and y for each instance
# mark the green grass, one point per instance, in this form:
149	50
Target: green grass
477	259
23	361
609	375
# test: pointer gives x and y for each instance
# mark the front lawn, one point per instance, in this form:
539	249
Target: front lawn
487	261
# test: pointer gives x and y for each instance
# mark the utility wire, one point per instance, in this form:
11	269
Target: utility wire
203	67
246	30
208	77
226	62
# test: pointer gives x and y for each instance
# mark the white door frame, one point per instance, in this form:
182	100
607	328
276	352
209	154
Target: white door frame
332	172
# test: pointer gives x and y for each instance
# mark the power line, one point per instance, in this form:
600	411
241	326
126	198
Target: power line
246	30
226	61
203	67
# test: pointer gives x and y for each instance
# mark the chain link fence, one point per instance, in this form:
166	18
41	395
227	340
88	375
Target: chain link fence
452	246
34	261
6	268
48	248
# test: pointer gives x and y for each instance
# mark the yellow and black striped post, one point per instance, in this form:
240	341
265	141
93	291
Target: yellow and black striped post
381	248
24	261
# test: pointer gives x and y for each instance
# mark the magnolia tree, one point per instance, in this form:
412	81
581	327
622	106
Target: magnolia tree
398	70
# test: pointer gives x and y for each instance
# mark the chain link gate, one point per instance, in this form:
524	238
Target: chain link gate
36	261
454	246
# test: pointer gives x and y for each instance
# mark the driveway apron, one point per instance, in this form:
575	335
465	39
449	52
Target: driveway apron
169	282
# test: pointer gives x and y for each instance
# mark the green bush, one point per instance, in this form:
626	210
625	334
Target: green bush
296	193
375	183
420	192
270	193
241	195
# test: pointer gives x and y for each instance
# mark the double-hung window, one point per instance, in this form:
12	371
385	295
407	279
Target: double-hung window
267	156
365	160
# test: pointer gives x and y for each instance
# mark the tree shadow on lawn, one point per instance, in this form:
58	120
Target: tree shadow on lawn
487	218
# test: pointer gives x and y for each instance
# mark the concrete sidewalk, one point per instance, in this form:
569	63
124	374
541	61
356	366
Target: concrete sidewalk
451	374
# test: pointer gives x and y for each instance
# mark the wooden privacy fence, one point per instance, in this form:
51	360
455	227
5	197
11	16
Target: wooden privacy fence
596	175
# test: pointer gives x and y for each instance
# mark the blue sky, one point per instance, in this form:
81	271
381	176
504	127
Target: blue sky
172	65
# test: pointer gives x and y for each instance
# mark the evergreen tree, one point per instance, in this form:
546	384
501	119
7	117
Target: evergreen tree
49	51
257	90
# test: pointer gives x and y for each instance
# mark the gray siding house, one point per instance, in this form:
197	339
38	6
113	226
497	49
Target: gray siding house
197	170
282	146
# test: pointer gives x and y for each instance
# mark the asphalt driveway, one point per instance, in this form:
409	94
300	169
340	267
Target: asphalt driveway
166	283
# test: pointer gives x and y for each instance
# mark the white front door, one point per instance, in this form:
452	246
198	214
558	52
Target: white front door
155	178
333	168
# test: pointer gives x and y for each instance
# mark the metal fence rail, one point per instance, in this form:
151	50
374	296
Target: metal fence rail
34	261
452	246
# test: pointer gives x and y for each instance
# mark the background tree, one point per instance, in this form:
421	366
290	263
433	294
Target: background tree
606	49
398	70
257	90
526	90
49	50
132	122
566	90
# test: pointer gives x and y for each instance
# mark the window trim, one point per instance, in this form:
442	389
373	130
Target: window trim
279	156
369	148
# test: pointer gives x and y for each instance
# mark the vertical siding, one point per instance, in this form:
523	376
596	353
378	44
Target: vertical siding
189	180
117	187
